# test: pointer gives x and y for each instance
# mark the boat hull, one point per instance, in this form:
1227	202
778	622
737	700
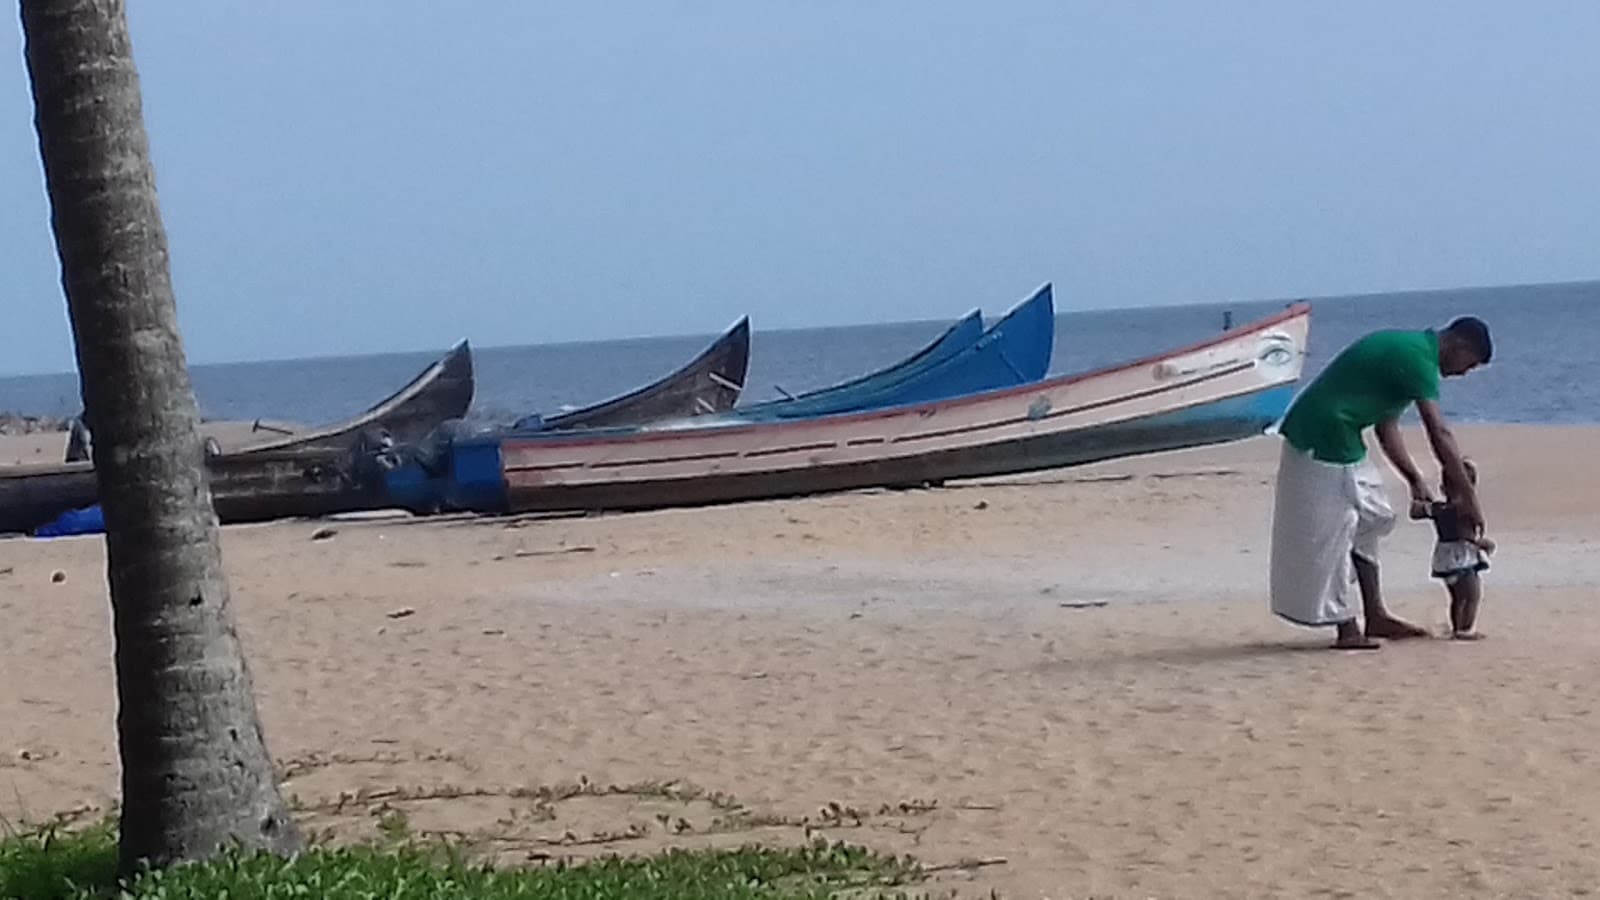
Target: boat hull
251	487
441	392
1227	389
1220	422
1016	350
709	383
305	474
848	395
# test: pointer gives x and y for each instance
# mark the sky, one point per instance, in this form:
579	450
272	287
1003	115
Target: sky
383	175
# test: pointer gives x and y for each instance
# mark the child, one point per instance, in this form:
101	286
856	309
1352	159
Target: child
1458	557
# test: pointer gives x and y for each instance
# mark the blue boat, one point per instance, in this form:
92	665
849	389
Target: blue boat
1014	351
847	395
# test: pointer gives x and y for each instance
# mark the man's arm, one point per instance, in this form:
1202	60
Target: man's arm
1450	460
1394	447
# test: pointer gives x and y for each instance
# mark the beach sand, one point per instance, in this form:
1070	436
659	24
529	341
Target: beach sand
1075	671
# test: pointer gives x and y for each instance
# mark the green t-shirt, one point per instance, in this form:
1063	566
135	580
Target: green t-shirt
1371	381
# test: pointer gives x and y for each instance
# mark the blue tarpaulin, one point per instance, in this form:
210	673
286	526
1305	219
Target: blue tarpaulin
77	521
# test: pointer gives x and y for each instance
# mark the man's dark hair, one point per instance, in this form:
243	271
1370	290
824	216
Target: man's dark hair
1472	331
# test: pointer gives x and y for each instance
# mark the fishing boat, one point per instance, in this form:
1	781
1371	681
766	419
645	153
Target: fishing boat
709	383
438	393
1015	350
304	474
958	337
245	487
1227	388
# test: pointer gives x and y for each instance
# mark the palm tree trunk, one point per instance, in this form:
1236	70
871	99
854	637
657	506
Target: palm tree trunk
195	769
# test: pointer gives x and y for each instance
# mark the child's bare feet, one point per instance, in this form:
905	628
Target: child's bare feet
1467	636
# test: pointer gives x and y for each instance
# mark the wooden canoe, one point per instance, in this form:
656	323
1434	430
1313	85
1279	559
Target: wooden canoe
252	487
1230	387
709	383
438	393
306	474
441	392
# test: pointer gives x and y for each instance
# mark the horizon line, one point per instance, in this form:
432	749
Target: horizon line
580	342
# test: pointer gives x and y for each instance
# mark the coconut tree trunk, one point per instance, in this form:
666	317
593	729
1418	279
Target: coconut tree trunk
195	769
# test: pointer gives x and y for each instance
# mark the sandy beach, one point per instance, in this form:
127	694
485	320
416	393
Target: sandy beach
1075	671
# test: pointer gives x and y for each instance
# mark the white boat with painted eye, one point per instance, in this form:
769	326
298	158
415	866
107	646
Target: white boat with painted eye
1233	386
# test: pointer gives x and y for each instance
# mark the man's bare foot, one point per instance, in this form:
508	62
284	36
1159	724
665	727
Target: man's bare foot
1467	636
1394	629
1351	638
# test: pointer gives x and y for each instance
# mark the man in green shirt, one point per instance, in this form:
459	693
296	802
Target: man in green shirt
1330	509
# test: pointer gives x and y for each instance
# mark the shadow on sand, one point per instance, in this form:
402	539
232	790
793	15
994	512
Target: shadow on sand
1189	655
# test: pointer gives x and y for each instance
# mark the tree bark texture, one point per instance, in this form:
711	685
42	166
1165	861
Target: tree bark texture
195	770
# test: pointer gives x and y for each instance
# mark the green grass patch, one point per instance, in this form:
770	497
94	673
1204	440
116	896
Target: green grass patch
81	865
53	865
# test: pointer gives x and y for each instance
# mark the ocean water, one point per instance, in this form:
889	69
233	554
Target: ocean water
1541	334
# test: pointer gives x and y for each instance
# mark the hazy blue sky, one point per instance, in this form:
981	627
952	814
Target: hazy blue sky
371	175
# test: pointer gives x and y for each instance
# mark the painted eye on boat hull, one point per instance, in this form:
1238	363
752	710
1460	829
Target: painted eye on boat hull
1276	352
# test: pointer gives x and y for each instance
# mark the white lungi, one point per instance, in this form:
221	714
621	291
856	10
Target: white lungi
1322	513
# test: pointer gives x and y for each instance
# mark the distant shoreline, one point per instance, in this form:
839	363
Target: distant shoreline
14	424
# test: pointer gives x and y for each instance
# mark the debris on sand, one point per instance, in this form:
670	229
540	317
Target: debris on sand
13	424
